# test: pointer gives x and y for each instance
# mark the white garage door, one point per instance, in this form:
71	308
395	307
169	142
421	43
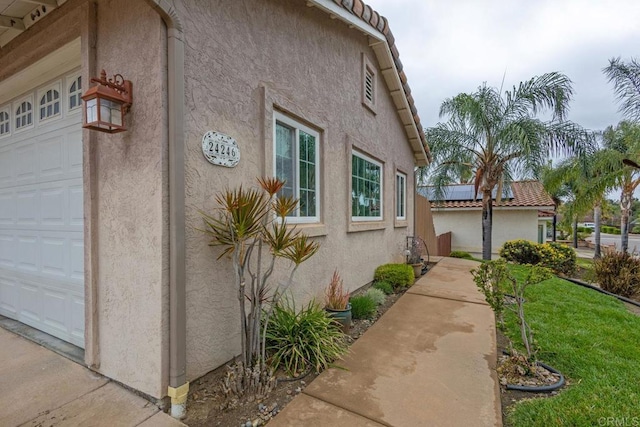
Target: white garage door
41	210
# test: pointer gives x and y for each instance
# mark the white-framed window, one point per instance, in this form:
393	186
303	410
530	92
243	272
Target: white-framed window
74	92
49	103
297	163
401	196
5	122
366	188
23	114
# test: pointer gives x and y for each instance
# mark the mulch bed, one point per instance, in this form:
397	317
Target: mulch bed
208	406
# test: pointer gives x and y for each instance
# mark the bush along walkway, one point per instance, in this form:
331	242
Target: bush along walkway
430	360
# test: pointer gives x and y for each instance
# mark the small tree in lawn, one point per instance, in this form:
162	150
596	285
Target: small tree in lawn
251	227
493	277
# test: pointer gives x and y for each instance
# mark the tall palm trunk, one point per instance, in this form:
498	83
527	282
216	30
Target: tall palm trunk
487	222
597	214
575	232
626	200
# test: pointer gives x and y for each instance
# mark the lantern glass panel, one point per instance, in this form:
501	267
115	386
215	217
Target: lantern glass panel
92	110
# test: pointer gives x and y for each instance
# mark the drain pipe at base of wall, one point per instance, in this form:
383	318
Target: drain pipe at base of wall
178	385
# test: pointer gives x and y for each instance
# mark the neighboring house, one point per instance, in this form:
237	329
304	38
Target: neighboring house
99	239
517	216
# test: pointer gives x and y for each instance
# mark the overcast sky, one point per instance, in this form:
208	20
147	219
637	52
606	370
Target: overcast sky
453	46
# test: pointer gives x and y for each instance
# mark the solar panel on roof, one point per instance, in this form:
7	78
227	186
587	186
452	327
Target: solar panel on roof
462	193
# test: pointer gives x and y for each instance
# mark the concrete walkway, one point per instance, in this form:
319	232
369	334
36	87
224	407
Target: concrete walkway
41	388
429	361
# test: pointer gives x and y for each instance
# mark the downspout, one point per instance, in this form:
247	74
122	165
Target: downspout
178	386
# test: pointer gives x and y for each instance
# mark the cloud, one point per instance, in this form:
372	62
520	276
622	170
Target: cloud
451	47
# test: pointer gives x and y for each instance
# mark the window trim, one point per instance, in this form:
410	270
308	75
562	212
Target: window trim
69	80
360	219
403	176
297	126
56	86
7	109
14	108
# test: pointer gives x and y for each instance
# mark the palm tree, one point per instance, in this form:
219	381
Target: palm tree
622	144
626	81
582	182
496	135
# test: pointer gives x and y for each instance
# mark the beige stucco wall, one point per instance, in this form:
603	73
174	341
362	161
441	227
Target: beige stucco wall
132	203
466	227
243	60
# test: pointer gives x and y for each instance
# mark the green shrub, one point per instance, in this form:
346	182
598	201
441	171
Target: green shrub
619	273
520	251
460	254
617	231
556	256
304	340
384	285
399	275
636	229
363	307
376	295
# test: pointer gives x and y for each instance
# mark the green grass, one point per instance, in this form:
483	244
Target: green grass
584	263
594	341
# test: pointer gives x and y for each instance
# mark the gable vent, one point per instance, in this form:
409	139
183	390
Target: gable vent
368	85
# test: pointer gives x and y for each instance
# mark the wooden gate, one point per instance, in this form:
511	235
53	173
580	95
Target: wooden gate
424	224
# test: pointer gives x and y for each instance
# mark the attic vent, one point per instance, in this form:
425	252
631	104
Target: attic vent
368	85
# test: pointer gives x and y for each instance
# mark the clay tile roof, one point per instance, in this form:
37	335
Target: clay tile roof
367	14
525	194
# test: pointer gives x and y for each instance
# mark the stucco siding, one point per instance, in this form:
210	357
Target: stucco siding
466	227
244	60
131	203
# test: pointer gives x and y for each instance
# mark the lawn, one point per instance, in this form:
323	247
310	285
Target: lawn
595	342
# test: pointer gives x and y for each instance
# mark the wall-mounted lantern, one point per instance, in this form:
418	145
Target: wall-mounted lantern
106	103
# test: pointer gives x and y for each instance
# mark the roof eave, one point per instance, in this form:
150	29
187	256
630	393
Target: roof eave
380	45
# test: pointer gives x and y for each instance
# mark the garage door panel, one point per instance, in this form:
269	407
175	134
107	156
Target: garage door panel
26	165
52	205
27	259
76	206
54	308
74	150
7	251
9	295
54	251
41	223
6	207
27	211
30	302
77	260
51	157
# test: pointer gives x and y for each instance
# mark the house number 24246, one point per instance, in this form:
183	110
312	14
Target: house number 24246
220	149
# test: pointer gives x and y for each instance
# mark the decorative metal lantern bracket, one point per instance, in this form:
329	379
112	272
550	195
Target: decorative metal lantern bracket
118	84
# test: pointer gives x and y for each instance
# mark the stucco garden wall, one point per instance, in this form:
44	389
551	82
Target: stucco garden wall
245	59
466	227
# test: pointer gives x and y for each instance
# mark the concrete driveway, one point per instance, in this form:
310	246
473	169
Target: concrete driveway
41	388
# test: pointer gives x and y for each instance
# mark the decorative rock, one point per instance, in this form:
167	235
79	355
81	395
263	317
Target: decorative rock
298	390
303	383
248	424
261	407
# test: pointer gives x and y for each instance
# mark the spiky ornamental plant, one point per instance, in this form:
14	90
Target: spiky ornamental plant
251	227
